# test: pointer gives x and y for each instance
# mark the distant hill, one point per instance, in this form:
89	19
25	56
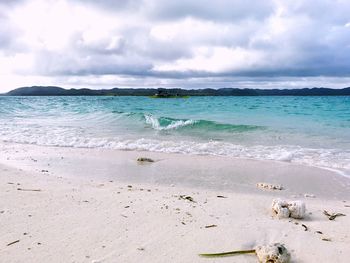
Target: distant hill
58	91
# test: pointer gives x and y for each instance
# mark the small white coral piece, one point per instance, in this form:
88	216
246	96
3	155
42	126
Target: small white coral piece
269	186
280	207
296	209
275	253
285	209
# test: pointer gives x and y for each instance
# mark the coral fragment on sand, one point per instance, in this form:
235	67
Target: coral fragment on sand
276	253
285	209
269	186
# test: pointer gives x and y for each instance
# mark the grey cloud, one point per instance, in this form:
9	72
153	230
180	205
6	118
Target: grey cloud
112	5
329	11
229	10
52	64
10	3
8	36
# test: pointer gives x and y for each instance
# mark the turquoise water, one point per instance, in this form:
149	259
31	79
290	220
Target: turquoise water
307	130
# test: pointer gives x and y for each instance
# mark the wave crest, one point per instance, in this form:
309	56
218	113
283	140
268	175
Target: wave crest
164	123
167	123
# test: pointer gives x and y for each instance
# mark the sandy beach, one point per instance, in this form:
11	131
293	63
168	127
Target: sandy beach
149	131
95	205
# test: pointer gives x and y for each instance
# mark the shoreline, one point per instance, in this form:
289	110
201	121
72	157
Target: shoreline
103	206
208	173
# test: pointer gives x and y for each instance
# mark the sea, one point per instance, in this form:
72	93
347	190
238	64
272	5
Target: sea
311	130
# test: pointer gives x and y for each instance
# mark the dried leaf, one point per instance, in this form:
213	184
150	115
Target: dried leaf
333	215
189	198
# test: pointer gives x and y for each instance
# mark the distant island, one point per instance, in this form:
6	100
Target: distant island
177	92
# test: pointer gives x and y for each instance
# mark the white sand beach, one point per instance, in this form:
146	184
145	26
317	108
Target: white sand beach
94	205
187	131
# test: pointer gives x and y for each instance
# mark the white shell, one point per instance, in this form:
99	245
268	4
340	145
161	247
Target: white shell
275	253
285	209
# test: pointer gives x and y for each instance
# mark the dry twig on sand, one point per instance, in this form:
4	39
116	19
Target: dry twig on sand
14	242
29	190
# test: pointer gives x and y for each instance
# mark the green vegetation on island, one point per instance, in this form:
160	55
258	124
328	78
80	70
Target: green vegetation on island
174	92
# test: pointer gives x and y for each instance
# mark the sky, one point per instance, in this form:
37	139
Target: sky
182	43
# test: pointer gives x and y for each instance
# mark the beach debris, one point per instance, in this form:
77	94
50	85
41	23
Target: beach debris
32	190
221	196
225	254
310	195
187	197
286	209
274	253
145	160
319	232
13	242
269	186
209	226
326	239
333	215
305	227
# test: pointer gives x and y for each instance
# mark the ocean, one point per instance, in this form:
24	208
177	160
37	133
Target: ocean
304	130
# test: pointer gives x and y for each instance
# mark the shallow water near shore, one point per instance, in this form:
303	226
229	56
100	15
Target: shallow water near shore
304	130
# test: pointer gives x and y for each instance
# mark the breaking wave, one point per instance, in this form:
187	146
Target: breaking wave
163	123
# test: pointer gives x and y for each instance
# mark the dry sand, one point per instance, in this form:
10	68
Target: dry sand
102	206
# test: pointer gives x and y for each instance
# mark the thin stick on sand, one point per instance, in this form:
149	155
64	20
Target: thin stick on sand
14	242
230	253
29	190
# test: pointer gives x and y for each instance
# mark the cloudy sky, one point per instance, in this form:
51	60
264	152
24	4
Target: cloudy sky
181	43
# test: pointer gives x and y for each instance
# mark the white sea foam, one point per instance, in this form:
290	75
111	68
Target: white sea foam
334	159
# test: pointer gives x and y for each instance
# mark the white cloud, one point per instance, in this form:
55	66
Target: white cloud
217	60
